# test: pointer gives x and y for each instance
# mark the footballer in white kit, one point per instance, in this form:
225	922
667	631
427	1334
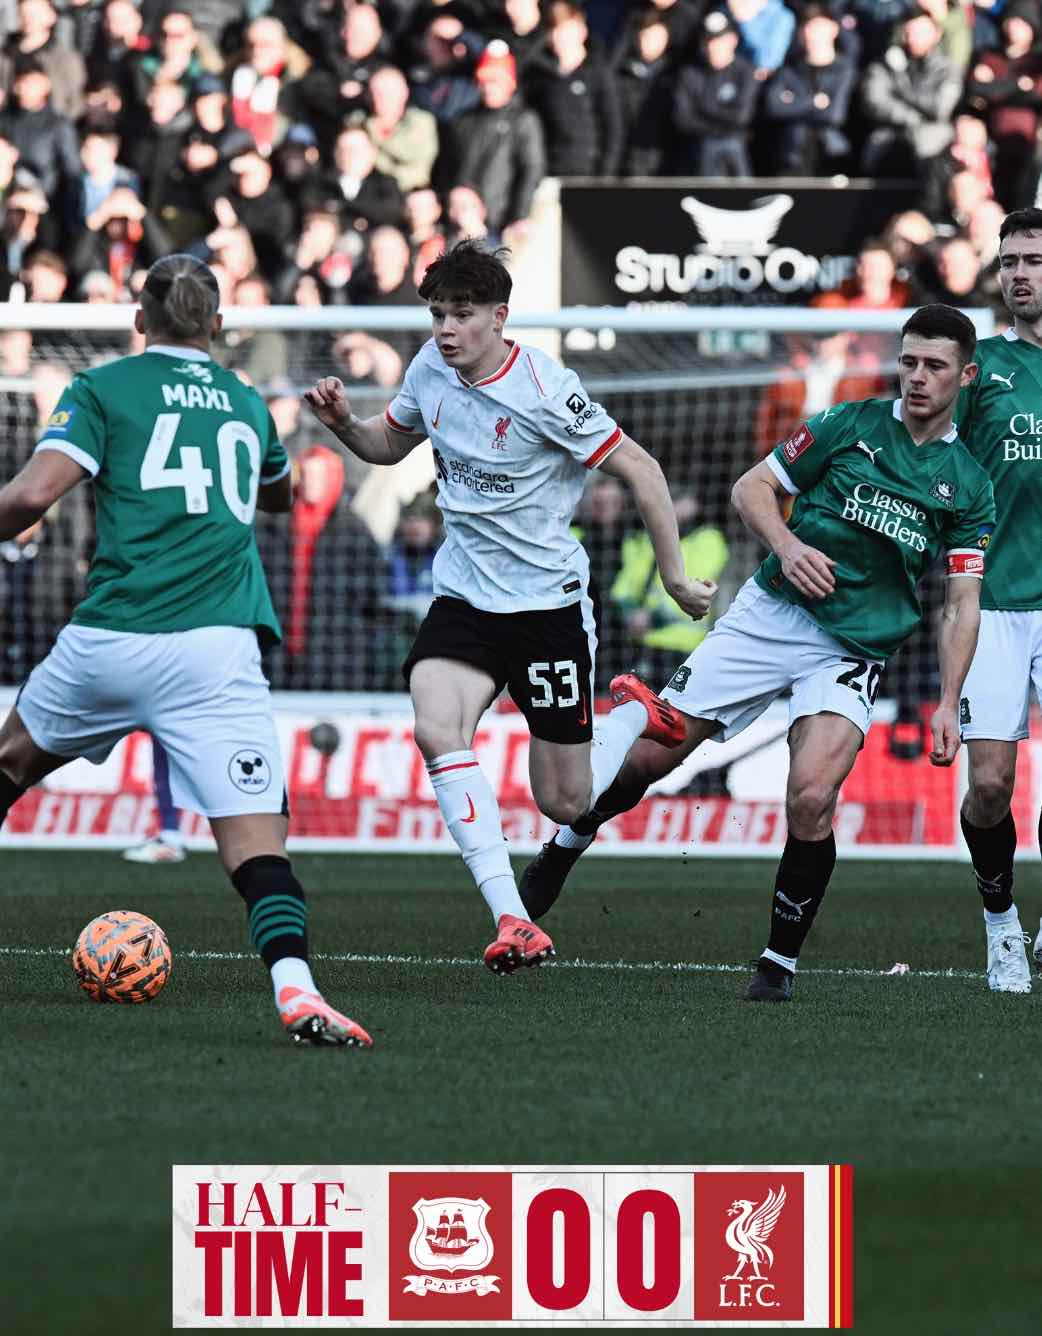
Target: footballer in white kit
514	436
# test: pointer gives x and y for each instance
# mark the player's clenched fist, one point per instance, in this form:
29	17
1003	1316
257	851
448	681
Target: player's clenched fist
808	569
694	596
328	402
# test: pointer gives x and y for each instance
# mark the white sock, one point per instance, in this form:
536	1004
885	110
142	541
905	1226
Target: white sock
172	837
1006	919
786	962
471	813
613	737
292	972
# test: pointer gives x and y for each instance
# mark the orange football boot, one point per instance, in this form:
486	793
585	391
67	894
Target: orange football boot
311	1020
517	943
665	725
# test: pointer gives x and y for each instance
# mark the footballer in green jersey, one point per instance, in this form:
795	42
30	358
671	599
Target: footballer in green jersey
1000	419
168	638
883	490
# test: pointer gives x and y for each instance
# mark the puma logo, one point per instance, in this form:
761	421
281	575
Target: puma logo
471	814
869	451
1004	380
797	905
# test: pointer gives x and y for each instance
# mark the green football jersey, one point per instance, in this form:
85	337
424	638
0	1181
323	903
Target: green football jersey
177	448
883	508
1000	419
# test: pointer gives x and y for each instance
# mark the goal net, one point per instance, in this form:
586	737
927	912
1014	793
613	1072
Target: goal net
707	390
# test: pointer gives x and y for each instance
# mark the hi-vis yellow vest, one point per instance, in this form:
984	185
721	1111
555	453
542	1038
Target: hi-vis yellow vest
639	585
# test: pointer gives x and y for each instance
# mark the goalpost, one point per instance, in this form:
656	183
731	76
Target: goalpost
707	389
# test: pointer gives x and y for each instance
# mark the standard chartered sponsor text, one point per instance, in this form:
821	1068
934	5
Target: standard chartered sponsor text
883	513
479	479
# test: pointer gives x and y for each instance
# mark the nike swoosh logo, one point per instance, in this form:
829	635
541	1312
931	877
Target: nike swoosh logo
437	415
583	716
473	816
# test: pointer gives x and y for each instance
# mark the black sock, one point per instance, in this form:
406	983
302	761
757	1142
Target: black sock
276	911
991	849
10	792
799	888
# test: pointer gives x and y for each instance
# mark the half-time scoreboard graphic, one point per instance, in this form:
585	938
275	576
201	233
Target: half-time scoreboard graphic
373	1246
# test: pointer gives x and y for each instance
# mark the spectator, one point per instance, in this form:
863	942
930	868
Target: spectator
498	147
45	139
959	279
765	28
601	527
964	192
185	198
909	97
261	356
809	99
155	147
406	138
982	228
646	95
410	560
714	103
286	409
424	230
384	278
233	249
64	67
99	288
118	38
119	236
468	217
100	176
260	79
25	227
1006	86
956	25
182	54
13	176
969	152
211	115
367	197
45	275
329	92
321	254
217	19
298	163
103	106
526	35
875	286
659	629
364	360
681	18
577	100
257	203
442	82
906	237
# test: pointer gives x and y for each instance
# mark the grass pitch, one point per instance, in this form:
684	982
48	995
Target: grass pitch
635	1048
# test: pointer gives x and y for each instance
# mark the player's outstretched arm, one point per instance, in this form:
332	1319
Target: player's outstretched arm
642	474
370	439
757	497
956	643
48	475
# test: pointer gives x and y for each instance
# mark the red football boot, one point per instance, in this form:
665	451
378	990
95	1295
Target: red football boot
517	943
310	1019
665	725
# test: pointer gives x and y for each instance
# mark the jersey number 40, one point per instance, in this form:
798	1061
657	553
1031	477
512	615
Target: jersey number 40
193	477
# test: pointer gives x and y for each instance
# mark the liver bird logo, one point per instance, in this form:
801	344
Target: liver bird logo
502	426
749	1230
738	231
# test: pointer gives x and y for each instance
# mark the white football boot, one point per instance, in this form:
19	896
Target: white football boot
1008	970
156	850
1037	949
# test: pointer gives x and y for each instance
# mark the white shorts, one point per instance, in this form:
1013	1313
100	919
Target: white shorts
201	693
761	647
1008	662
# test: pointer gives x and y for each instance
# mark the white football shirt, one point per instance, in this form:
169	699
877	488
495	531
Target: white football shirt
511	453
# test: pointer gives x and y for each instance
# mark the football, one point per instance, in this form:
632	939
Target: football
122	956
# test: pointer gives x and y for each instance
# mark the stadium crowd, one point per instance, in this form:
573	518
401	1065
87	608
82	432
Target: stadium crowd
322	152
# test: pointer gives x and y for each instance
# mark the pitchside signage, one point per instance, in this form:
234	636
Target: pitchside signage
367	1246
765	242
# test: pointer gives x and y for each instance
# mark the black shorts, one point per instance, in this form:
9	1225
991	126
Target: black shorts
544	659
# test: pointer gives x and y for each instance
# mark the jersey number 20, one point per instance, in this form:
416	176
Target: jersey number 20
193	476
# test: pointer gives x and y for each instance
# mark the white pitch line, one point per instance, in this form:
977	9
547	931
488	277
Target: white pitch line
612	966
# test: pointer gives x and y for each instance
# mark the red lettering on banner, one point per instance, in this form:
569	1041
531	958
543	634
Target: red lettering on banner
450	1247
213	1243
749	1246
341	1272
630	1264
575	1282
362	787
515	786
289	1277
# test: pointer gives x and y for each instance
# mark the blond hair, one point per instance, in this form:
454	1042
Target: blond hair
180	298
